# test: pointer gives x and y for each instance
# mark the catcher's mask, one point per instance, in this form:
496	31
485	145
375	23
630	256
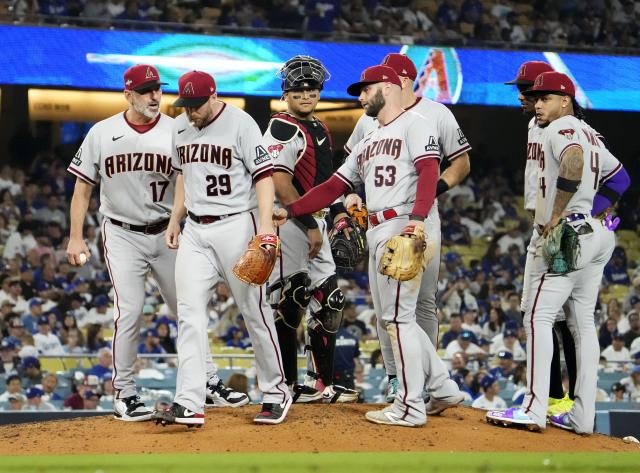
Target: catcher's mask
303	72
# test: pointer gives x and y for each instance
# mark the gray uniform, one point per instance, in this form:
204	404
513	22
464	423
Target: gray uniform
384	161
453	144
219	163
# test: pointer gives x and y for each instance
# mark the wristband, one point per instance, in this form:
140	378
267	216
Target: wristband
307	221
441	187
568	185
416	217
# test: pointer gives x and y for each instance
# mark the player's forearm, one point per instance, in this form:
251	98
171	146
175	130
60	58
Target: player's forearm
78	208
569	177
265	195
284	189
179	210
318	198
454	174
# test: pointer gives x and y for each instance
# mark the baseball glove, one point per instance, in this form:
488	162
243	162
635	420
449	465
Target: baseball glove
361	217
347	252
255	265
560	248
403	256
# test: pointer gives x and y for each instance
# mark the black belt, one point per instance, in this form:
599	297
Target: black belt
205	219
151	229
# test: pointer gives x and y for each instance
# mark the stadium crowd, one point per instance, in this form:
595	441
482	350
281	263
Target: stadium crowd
48	308
567	23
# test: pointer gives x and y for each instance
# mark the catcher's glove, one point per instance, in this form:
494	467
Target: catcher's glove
404	255
560	248
361	217
347	252
255	265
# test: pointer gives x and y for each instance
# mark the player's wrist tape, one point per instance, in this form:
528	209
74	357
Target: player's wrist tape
337	208
416	217
568	185
307	221
610	194
442	187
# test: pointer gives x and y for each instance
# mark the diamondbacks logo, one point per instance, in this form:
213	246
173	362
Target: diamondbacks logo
188	89
261	156
274	150
150	74
523	71
432	145
462	140
77	159
539	81
567	133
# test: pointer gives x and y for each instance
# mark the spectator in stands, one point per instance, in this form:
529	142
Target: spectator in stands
49	386
115	8
607	330
75	342
513	237
447	14
106	388
21	241
492	260
27	281
619	392
30	371
617	353
238	335
150	343
495	324
46	342
321	15
13	387
615	272
470	322
52	212
99	313
506	367
376	360
104	365
91	400
513	310
31	318
16	402
510	343
75	401
9	360
634	293
164	334
490	399
455	328
464	343
632	384
95	339
346	358
454	232
14	295
634	328
35	401
458	297
351	323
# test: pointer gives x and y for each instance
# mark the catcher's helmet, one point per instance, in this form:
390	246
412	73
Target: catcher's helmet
303	72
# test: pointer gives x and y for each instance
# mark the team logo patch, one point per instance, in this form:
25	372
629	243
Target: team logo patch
150	74
188	89
432	145
261	156
274	150
77	159
462	140
567	133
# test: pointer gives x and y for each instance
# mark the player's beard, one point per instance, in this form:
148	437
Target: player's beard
375	104
145	110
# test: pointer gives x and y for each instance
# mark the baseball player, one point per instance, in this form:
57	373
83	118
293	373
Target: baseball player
130	153
454	148
305	277
398	165
225	190
569	173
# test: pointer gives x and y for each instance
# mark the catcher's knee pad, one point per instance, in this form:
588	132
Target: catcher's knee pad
291	298
326	306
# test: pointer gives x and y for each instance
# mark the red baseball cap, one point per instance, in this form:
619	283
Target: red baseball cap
194	89
372	75
552	82
142	78
401	64
529	71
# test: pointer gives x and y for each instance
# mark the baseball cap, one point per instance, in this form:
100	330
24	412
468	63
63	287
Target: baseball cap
88	394
401	64
484	342
34	301
34	392
373	75
617	386
487	381
466	335
15	397
634	300
16	322
152	332
142	78
636	370
618	336
30	362
6	344
451	257
509	333
505	355
101	301
7	302
494	297
148	310
43	320
552	82
194	89
25	267
529	71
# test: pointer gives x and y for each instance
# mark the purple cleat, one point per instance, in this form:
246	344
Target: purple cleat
511	417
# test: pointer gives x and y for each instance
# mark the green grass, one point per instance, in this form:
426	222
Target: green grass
328	463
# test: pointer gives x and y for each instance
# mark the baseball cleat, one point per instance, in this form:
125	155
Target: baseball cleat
561	421
437	405
336	393
177	414
131	409
386	416
559	406
304	393
392	390
273	413
218	395
512	417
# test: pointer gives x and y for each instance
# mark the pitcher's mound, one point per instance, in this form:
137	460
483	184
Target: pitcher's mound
308	428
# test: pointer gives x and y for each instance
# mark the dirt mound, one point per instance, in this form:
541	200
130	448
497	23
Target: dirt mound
309	428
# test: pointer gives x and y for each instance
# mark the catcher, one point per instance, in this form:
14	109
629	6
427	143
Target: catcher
305	278
398	164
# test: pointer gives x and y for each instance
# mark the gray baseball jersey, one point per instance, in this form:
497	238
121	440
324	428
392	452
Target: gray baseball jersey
134	169
535	138
220	160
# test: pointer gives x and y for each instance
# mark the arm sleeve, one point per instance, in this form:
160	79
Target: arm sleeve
426	187
452	139
255	156
86	162
319	197
611	191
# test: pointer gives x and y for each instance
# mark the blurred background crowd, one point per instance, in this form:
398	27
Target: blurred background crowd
500	23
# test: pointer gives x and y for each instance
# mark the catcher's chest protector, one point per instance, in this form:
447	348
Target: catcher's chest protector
315	164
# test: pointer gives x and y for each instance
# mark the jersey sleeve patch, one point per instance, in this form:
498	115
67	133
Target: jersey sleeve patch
432	145
77	159
567	133
261	156
275	150
282	130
